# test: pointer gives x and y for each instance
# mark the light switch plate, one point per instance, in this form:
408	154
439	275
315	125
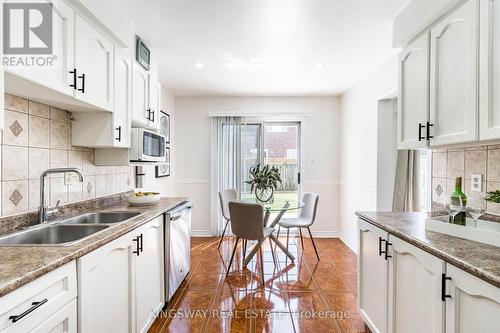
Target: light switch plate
476	183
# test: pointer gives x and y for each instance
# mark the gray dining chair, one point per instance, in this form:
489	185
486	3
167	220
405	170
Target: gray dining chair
247	223
304	220
225	198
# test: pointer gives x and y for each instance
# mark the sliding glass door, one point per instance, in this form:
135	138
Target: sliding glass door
276	144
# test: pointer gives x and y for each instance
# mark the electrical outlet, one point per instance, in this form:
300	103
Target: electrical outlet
70	178
476	183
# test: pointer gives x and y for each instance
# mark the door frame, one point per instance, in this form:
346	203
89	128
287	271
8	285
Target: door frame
262	120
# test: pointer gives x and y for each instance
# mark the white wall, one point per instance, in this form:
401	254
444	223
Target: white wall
164	185
358	146
320	152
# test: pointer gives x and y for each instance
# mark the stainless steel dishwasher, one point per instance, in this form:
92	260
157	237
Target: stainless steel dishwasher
178	246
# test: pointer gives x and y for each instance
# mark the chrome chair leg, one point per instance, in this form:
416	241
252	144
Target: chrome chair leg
261	264
301	239
314	244
232	256
222	236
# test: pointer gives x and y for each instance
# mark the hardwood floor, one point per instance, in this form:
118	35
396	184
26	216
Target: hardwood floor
305	296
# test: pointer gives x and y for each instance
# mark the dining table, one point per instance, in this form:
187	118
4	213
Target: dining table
270	208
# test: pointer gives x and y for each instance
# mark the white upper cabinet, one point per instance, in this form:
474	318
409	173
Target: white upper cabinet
105	129
414	288
472	305
489	83
372	276
146	97
140	96
122	100
56	76
413	101
94	66
454	76
154	104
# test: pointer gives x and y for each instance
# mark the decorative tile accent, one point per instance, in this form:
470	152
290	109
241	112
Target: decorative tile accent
16	131
16	197
439	190
16	128
89	187
13	203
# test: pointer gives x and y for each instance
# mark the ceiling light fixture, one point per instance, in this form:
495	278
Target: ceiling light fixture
321	65
198	65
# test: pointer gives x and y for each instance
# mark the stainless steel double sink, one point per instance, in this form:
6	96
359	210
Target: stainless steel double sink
66	232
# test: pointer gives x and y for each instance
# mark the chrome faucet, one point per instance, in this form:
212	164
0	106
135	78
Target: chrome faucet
45	212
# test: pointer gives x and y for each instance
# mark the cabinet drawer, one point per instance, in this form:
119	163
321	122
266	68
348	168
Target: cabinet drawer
64	321
44	296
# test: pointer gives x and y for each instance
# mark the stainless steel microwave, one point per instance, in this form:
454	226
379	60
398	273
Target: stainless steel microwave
147	146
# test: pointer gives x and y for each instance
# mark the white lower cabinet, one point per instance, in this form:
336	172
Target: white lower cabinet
149	282
372	276
47	304
414	289
121	283
105	288
408	290
473	305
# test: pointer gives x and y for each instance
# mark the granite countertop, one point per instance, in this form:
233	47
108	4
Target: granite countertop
481	260
20	265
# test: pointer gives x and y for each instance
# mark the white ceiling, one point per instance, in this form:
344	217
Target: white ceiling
265	47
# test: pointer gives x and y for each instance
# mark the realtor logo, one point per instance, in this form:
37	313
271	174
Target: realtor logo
27	28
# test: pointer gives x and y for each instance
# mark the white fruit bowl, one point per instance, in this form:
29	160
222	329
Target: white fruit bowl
134	200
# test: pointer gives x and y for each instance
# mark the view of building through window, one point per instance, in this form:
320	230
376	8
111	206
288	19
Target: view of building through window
277	145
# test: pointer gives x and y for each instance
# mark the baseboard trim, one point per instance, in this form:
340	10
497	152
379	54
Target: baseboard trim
316	234
343	239
201	233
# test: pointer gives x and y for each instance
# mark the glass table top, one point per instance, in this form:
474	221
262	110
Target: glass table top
276	207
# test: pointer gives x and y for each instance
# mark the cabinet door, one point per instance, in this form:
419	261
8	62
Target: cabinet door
94	65
474	305
123	100
56	76
489	102
413	110
106	288
140	96
454	76
372	276
154	104
149	274
63	321
414	289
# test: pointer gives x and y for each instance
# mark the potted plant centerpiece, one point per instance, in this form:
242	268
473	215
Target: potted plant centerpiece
264	181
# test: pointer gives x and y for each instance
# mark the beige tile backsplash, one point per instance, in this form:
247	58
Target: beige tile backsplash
36	137
463	162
